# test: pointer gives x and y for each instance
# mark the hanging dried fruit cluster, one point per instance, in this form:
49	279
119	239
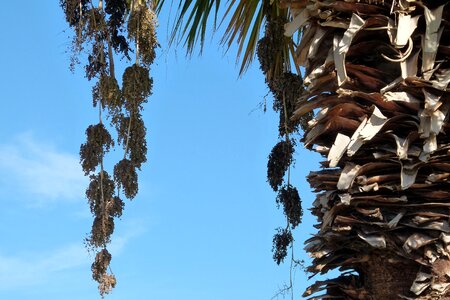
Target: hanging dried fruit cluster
113	27
273	55
281	241
289	198
280	158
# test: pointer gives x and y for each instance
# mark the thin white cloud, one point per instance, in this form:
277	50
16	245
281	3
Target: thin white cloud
28	270
24	270
129	230
40	170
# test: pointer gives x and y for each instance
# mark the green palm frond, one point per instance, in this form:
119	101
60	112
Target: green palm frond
191	21
244	27
244	22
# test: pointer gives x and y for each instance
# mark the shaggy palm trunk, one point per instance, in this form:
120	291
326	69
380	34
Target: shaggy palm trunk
377	74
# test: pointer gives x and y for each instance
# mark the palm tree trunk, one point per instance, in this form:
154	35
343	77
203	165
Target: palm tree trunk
377	75
384	279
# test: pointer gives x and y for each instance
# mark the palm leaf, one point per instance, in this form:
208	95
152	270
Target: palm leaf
244	21
247	14
191	21
244	26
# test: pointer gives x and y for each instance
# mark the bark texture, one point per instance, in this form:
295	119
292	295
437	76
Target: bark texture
387	278
377	75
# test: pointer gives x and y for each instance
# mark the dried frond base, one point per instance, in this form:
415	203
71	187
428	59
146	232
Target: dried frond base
382	102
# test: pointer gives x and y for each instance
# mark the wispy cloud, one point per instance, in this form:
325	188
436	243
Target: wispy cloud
40	170
28	270
31	269
129	230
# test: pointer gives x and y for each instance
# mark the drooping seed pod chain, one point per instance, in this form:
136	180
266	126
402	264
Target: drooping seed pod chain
274	57
108	29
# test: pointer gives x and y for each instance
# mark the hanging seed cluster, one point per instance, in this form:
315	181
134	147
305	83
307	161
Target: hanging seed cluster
279	162
131	134
98	142
285	88
101	263
74	10
99	272
269	46
272	52
141	29
280	158
137	86
107	92
115	207
110	29
281	241
125	175
289	198
116	10
101	185
284	85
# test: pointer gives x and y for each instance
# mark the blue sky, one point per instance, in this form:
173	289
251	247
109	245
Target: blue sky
202	224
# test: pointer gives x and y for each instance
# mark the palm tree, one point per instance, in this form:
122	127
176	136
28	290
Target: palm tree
376	74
